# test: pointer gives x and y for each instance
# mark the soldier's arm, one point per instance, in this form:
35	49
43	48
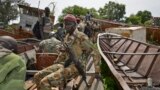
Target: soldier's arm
62	56
6	68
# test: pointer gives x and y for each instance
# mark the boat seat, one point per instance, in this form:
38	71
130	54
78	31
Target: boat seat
129	72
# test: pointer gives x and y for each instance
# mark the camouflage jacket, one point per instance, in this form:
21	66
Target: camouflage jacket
12	71
49	45
81	45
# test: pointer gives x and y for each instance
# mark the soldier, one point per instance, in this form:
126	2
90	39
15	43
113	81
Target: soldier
49	45
88	17
58	74
43	25
12	67
88	30
60	32
81	24
96	30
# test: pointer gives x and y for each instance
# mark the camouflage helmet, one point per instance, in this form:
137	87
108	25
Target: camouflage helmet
9	43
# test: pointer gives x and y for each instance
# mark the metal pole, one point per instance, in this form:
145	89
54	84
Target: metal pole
38	10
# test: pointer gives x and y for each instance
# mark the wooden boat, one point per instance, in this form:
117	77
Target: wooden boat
27	44
134	64
77	83
26	48
15	33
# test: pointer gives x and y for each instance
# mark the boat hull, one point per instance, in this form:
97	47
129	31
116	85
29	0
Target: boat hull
131	62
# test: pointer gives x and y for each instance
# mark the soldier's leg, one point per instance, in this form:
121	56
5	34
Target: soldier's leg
70	72
58	78
52	80
41	74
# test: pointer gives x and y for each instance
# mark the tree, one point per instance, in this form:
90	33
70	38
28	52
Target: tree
144	15
148	23
94	12
133	19
8	10
77	11
112	11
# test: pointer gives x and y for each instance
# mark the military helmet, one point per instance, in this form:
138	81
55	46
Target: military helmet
9	43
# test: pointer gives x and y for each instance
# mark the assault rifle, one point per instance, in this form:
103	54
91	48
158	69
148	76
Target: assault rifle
73	58
78	65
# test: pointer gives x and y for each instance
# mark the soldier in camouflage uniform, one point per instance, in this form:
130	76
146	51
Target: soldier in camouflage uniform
49	45
96	30
12	66
57	74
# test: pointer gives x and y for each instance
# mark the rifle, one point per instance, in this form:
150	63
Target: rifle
73	58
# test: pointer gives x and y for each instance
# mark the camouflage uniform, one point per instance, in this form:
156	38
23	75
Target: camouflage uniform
56	74
81	26
49	45
96	29
12	70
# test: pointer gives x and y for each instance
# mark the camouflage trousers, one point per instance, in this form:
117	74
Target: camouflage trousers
54	76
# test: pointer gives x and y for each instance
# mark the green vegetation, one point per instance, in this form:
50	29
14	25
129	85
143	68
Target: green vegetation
109	82
141	18
112	11
77	11
133	19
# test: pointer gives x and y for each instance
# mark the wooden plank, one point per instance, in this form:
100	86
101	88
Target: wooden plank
29	84
137	46
152	63
131	49
136	58
34	86
146	62
128	46
154	73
